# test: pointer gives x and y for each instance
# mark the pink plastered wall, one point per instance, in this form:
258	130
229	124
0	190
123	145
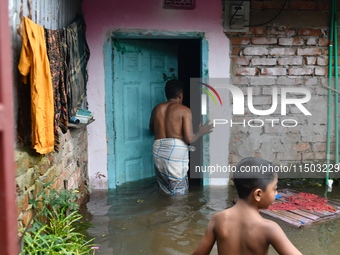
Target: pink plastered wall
105	16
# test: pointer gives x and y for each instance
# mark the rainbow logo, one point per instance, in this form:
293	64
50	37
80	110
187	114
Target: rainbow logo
204	97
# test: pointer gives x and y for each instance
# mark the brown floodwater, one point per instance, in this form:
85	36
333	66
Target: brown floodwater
136	218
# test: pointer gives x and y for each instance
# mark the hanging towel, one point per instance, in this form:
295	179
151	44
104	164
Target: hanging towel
57	66
171	159
34	62
77	54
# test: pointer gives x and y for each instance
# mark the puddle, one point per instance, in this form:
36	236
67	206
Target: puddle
136	218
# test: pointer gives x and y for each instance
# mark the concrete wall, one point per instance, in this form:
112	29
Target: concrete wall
103	17
290	51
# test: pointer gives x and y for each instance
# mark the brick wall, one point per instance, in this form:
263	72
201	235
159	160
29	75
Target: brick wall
284	53
32	169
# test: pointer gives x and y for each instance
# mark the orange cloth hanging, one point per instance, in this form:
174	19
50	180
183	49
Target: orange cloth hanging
34	61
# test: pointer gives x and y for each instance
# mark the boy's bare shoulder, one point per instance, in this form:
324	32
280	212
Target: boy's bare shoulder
232	216
221	218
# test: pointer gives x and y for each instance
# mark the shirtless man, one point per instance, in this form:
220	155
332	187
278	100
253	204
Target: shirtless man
241	230
171	122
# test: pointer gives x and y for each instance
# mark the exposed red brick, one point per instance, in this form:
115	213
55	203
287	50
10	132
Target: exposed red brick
255	51
282	31
310	32
322	61
289	81
322	71
302	5
246	71
300	71
243	61
264	40
237	80
301	146
282	52
291	41
298	41
309	51
314	156
273	71
310	60
319	146
290	61
240	40
231	34
263	61
260	30
323	42
311	41
235	51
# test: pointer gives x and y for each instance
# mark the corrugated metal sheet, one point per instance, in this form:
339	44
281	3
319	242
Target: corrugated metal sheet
51	14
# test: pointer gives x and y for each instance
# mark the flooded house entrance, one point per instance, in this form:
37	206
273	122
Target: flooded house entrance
135	78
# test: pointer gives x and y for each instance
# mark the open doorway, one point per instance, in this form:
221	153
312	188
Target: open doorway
189	66
136	75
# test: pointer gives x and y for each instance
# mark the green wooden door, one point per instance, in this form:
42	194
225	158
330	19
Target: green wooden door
140	67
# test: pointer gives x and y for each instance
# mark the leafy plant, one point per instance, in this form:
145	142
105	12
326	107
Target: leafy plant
54	229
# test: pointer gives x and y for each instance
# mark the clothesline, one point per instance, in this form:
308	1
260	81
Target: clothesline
59	88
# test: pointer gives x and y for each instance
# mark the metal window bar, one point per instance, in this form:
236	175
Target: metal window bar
179	4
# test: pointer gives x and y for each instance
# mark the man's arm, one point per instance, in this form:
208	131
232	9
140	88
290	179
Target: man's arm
188	133
207	242
278	239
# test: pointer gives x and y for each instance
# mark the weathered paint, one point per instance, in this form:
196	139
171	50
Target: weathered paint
103	17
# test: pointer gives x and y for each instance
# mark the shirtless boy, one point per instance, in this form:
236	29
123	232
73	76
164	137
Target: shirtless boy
171	123
241	230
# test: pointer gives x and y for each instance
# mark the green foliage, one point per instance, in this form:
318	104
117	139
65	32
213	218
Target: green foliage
59	200
55	222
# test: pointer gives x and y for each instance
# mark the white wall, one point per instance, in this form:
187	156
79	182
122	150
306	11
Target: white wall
103	17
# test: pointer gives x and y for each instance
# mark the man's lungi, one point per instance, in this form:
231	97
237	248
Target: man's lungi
171	161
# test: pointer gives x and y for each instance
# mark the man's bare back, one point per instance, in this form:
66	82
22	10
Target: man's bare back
170	121
174	120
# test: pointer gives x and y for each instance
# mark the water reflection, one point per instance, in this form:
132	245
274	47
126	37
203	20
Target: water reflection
136	218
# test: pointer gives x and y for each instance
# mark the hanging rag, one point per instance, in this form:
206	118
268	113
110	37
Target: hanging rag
57	66
171	162
34	62
77	54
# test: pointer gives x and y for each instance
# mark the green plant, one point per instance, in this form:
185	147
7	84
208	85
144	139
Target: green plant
58	237
59	200
54	229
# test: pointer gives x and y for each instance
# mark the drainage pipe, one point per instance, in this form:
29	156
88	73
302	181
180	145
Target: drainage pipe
329	103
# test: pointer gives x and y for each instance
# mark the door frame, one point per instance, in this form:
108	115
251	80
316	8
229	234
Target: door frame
141	34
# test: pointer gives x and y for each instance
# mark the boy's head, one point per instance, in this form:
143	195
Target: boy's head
250	175
173	89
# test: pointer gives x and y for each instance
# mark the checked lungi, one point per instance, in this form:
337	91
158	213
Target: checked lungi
171	161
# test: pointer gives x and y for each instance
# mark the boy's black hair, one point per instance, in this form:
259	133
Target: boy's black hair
250	175
173	88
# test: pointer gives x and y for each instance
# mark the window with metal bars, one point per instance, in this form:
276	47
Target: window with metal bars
179	4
